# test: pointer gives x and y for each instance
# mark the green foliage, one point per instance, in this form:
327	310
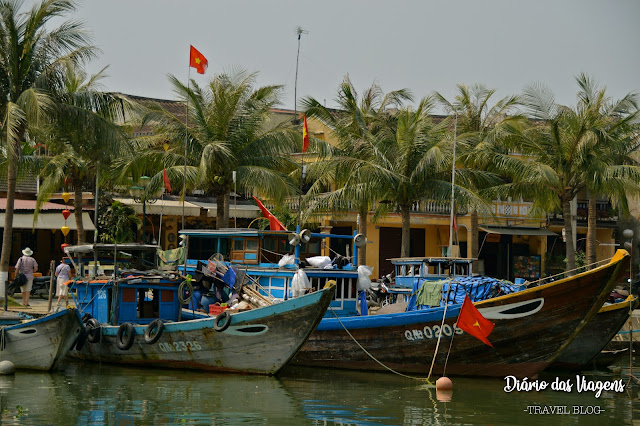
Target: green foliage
581	259
118	224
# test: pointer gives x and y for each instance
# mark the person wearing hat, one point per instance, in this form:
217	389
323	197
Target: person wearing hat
62	274
26	265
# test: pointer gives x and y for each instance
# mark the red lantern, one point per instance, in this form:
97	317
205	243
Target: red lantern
66	214
63	246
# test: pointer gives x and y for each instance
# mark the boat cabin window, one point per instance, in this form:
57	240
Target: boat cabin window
203	248
245	250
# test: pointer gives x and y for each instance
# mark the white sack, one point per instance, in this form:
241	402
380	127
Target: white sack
364	283
287	259
299	283
319	262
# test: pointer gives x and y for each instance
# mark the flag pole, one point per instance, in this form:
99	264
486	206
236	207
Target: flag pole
299	32
186	138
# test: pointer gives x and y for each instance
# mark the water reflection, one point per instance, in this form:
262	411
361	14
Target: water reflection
97	394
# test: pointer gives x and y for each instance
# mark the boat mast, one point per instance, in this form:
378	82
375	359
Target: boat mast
453	182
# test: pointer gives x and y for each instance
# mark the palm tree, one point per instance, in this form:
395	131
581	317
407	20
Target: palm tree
570	150
351	168
231	128
29	52
418	154
83	134
612	168
482	127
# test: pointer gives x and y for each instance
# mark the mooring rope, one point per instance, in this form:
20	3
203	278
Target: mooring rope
374	358
444	316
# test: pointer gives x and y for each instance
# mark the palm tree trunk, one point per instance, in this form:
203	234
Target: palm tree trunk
475	247
591	231
405	247
222	209
227	202
568	233
7	240
362	229
77	209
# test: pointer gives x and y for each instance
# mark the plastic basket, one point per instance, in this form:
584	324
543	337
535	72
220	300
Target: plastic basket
215	309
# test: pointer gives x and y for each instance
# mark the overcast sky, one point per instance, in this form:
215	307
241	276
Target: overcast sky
424	46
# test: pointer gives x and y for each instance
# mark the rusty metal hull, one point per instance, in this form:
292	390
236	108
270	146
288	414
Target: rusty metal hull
532	328
43	343
259	341
595	336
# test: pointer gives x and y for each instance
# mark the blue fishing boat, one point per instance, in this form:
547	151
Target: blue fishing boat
532	327
137	317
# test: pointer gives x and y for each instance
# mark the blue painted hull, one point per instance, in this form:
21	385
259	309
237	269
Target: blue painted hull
258	341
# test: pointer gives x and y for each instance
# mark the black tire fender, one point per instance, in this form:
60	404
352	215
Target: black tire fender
82	339
221	321
124	338
149	336
94	330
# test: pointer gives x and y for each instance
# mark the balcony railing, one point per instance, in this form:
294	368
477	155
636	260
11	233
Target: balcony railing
504	209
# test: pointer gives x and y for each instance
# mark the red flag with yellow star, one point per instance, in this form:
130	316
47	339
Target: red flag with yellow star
472	321
198	61
305	136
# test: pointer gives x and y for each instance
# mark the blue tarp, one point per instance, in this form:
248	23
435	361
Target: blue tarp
454	290
229	277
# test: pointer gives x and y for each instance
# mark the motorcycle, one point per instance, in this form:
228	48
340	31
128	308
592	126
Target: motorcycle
40	288
378	294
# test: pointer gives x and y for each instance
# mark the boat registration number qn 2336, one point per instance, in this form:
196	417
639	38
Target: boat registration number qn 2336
180	346
434	332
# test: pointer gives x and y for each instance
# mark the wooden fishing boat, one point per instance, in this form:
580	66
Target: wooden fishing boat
138	319
595	336
532	327
42	343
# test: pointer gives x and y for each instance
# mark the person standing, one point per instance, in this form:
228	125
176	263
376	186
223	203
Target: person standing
62	274
26	265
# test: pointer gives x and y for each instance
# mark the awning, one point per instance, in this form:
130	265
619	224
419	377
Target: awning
245	211
166	207
509	230
49	221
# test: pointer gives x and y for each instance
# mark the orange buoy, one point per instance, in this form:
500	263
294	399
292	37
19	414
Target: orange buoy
444	383
444	395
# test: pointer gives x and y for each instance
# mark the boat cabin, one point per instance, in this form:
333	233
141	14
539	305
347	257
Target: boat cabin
429	268
257	253
136	292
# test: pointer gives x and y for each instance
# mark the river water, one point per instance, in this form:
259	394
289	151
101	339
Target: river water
100	394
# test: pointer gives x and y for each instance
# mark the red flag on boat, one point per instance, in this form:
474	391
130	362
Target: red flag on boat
198	61
274	223
305	135
472	321
167	182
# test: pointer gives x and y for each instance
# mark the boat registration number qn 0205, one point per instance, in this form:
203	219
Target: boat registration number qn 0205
428	332
180	346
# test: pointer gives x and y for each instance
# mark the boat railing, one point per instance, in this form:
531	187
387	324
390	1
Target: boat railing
566	274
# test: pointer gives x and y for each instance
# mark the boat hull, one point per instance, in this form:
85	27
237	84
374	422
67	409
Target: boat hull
258	341
595	336
531	328
43	343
